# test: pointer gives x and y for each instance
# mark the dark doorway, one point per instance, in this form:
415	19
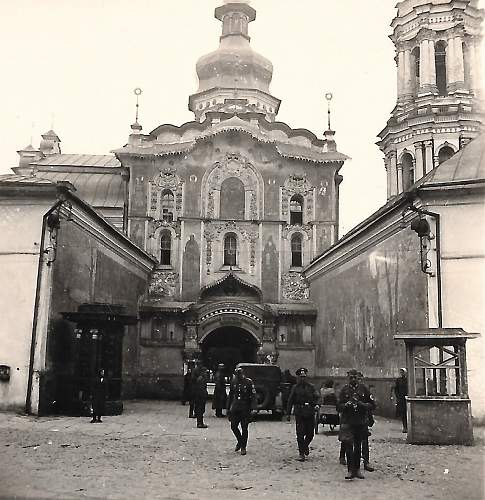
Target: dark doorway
229	345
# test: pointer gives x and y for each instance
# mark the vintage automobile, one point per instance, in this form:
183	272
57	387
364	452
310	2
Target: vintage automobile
267	382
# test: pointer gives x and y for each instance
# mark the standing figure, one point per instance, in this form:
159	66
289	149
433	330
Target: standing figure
369	423
220	396
200	379
354	404
98	396
188	389
303	397
242	398
400	390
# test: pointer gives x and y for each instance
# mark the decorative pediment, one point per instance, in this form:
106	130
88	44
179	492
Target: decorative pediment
231	286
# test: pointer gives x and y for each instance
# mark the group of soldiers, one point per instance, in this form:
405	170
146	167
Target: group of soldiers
355	405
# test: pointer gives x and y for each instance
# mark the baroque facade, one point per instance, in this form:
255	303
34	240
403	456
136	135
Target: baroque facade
439	102
233	205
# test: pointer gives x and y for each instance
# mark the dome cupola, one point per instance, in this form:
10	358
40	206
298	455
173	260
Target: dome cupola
234	77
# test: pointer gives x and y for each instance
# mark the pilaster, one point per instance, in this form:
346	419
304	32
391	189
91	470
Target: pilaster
428	145
419	167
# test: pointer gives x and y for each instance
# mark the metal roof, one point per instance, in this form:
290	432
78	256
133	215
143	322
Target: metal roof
97	189
468	164
23	179
77	160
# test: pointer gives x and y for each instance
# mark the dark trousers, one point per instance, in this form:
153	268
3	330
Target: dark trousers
191	408
199	408
240	419
353	446
365	448
305	430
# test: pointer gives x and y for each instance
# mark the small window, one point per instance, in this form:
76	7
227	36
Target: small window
296	257
167	205
230	249
296	209
407	163
165	248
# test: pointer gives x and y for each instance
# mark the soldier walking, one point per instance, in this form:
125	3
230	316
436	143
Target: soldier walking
303	397
242	398
354	404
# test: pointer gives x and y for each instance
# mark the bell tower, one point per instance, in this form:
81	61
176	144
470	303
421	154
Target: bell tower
438	108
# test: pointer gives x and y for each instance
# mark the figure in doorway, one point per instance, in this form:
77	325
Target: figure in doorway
400	390
220	395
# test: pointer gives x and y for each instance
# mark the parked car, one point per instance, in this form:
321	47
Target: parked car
267	382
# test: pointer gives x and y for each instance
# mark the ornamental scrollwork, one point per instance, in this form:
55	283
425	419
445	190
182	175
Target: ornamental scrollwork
154	225
162	284
291	228
297	184
294	287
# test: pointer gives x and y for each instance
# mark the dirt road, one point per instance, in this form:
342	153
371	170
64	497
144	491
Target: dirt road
153	451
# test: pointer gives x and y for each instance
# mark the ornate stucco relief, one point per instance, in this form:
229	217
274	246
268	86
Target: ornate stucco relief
232	165
297	184
165	179
294	287
162	284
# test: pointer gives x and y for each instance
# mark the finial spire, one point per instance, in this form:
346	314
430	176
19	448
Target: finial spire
136	127
329	97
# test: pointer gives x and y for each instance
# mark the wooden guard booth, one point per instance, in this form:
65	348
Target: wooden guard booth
438	406
97	343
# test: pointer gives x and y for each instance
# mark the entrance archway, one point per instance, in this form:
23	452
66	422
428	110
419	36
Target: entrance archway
229	345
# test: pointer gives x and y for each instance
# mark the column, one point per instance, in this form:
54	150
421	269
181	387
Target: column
450	64
408	73
423	66
388	176
428	145
459	76
419	169
400	75
432	66
400	187
393	174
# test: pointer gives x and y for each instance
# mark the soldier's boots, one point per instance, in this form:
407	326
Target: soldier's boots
301	458
368	467
243	451
354	473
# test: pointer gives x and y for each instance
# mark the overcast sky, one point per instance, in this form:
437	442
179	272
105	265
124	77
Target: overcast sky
73	65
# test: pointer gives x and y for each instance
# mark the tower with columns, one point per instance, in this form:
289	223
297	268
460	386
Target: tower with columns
438	108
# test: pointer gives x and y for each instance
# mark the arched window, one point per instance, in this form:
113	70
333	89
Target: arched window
296	209
296	257
165	248
167	205
407	170
446	152
440	64
416	55
230	249
232	199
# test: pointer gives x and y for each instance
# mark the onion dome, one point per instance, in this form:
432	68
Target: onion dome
234	70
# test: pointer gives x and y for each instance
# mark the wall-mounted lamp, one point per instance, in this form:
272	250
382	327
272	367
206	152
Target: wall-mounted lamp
4	373
421	227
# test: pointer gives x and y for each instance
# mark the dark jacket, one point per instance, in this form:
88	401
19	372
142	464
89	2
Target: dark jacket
220	395
242	396
200	385
303	397
99	391
354	404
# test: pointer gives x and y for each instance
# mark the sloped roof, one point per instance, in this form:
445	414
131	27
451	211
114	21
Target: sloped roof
79	160
97	189
23	179
466	165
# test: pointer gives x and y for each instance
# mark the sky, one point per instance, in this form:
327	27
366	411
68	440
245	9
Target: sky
72	65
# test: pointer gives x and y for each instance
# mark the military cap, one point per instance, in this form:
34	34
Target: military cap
302	371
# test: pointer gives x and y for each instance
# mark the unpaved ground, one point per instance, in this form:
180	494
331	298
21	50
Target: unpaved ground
154	451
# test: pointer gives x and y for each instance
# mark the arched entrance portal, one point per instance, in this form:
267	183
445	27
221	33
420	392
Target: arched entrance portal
229	345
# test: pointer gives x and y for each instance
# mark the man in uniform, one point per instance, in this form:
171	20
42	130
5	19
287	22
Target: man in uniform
354	405
242	398
200	395
303	397
220	396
